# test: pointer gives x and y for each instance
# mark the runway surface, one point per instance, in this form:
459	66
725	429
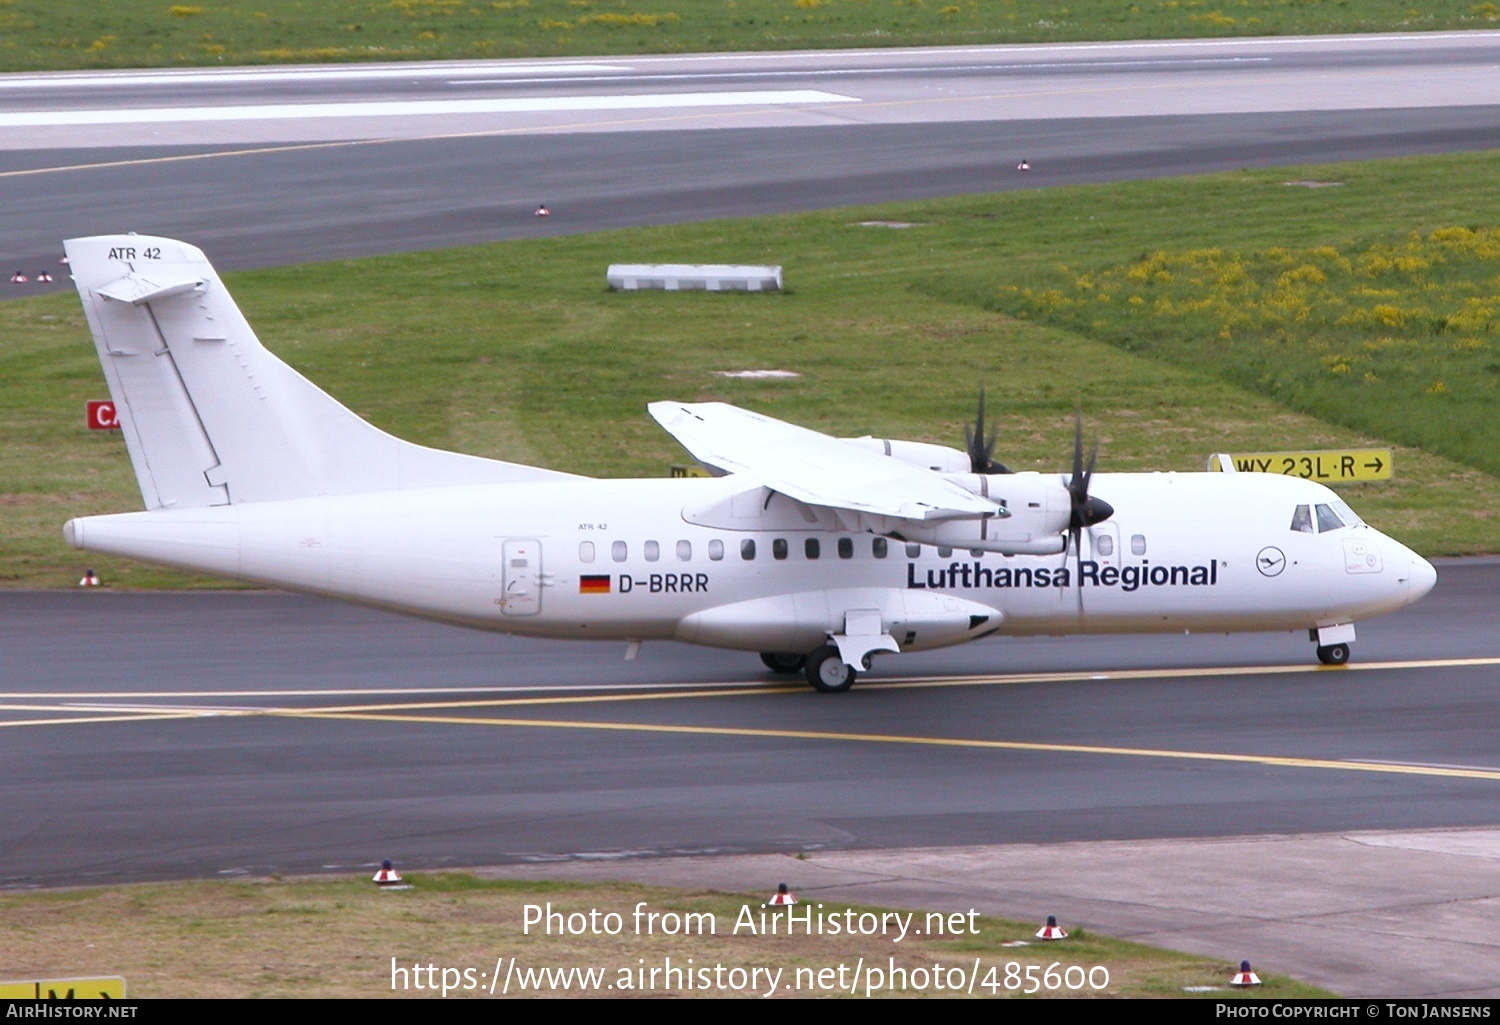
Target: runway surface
267	167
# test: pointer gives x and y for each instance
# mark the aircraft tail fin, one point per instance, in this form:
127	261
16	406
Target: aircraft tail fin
212	417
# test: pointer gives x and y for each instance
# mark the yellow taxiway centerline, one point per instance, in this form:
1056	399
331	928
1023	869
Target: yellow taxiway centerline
885	738
401	712
637	691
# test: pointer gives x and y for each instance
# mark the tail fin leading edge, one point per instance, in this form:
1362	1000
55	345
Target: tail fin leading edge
212	417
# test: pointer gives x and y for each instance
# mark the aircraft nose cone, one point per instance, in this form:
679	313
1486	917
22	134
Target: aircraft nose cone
1423	577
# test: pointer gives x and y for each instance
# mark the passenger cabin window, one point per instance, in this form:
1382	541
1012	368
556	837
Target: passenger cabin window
619	551
811	548
1104	545
585	551
1137	544
1302	519
944	551
716	550
846	548
778	548
977	553
747	549
653	551
684	551
879	547
913	550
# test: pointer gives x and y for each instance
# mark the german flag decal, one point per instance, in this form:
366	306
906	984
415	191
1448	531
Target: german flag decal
593	585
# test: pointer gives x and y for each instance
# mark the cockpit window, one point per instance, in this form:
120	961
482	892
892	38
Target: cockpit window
1328	519
1348	515
1302	519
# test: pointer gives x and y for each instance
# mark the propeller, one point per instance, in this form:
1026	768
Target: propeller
980	446
1087	509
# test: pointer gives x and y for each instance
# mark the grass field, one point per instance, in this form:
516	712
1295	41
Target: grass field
517	350
38	35
341	938
1348	335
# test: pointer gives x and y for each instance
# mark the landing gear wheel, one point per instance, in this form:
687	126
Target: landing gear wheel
828	672
1333	654
783	661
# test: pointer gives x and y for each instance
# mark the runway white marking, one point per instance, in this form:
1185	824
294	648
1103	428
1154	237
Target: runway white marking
105	79
698	76
88	706
583	688
1428	765
418	108
1374	42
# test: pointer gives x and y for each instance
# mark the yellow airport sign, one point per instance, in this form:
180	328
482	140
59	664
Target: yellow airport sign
1332	466
107	988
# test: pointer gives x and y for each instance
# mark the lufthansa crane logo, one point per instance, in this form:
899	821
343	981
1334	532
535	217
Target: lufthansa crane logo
1270	561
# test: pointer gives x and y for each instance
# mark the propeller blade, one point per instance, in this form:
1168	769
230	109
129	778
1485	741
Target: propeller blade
981	447
1086	509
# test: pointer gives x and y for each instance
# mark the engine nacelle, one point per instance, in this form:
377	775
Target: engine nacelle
941	458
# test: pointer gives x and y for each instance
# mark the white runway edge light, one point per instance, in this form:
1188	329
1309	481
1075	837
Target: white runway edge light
89	579
1051	931
782	896
388	876
1245	977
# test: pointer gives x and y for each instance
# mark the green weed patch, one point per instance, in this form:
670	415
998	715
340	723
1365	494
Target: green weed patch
1395	337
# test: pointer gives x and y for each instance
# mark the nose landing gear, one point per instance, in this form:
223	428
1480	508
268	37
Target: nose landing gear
1333	643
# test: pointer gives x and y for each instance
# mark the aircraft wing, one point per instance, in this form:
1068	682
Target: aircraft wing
815	468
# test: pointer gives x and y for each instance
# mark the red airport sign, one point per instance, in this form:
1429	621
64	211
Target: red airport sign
101	416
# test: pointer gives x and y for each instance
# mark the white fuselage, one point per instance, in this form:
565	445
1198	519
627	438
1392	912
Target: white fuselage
618	559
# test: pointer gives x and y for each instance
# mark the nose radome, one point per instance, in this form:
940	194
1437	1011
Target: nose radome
1423	577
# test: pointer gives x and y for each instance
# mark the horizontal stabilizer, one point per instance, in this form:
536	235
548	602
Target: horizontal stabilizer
162	284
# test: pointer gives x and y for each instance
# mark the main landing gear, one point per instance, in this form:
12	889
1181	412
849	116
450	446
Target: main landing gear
828	672
1333	654
825	668
787	662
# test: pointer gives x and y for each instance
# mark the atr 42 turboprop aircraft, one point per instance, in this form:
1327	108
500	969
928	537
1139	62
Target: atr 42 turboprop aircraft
816	552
